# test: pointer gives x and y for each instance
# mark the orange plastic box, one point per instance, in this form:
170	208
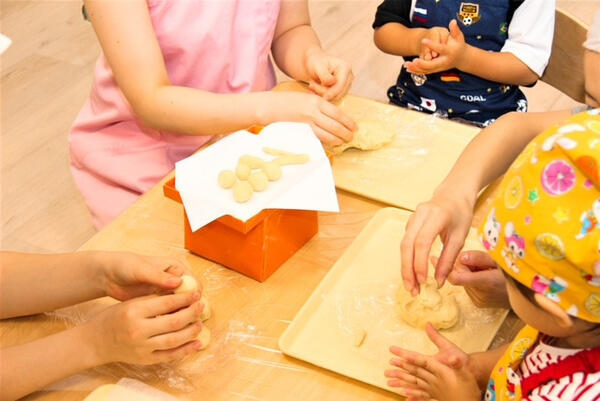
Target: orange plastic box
256	247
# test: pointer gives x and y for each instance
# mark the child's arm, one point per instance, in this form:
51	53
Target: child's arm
502	67
450	210
592	81
298	53
143	331
38	283
129	43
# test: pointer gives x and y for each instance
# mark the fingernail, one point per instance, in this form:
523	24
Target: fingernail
197	345
464	257
414	292
199	324
196	296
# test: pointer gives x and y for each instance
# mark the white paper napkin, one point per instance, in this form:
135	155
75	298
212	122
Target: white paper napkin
307	186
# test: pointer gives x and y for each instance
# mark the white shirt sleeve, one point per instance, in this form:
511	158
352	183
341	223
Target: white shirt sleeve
593	40
530	33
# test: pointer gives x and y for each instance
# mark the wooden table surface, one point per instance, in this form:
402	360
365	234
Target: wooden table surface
243	361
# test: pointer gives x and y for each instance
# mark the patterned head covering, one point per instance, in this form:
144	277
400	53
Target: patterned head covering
544	225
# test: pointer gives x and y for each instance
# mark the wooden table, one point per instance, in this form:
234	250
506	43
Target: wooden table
243	361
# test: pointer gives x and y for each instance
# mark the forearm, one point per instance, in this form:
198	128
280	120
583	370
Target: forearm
493	150
482	364
394	38
291	49
189	111
33	283
500	67
33	365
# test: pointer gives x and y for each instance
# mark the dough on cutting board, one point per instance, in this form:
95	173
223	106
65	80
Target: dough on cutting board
227	179
430	306
371	135
204	337
242	191
259	181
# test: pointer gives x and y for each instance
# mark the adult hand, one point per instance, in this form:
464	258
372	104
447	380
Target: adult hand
329	123
330	77
128	275
483	281
147	330
450	54
447	215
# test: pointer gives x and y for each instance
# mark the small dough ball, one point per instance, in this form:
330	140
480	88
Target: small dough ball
272	170
252	161
206	312
243	171
242	191
430	306
226	179
188	284
204	337
259	181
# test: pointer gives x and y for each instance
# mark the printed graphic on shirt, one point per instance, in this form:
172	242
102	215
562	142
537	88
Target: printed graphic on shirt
420	15
419	79
428	104
450	77
468	13
503	28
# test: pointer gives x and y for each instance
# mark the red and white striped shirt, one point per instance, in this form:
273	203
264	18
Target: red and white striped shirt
579	386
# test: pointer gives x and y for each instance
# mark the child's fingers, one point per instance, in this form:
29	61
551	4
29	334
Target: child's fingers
425	367
164	304
177	338
437	47
175	321
401	352
176	353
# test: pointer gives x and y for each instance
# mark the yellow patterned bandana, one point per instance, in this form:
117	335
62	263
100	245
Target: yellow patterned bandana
544	225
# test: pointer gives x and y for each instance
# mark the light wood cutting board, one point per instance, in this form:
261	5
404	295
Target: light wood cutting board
361	292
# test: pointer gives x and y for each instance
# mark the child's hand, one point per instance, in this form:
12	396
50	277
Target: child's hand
329	123
330	77
445	376
450	54
483	281
128	275
436	34
147	330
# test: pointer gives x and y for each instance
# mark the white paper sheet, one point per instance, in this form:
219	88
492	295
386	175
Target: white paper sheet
307	186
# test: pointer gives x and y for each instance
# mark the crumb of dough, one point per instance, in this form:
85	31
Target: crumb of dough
259	181
227	179
242	191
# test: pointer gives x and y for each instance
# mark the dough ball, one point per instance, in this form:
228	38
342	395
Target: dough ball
371	135
242	191
292	159
188	284
226	179
251	161
272	170
206	312
204	337
430	306
259	181
243	171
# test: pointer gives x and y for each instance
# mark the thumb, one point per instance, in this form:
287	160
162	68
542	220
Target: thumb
477	260
159	278
467	278
439	340
455	31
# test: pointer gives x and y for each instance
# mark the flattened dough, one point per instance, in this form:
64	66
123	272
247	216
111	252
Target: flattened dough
371	135
430	306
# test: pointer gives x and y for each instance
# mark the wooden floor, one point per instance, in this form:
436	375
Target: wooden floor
46	76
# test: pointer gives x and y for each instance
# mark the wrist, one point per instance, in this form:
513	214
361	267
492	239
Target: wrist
94	266
417	42
461	192
475	366
88	346
463	58
264	107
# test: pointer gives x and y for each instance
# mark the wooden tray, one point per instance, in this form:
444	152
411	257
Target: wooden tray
360	292
406	171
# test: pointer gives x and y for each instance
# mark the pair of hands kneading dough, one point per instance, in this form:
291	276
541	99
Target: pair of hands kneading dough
189	284
430	306
246	179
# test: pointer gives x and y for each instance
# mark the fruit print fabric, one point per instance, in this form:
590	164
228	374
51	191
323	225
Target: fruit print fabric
543	228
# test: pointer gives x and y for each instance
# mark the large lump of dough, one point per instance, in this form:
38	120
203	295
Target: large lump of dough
371	135
430	306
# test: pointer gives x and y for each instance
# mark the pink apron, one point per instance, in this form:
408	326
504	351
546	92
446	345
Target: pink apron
221	46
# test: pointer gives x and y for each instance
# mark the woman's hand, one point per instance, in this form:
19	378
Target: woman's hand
330	77
147	330
329	123
128	275
448	215
483	281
